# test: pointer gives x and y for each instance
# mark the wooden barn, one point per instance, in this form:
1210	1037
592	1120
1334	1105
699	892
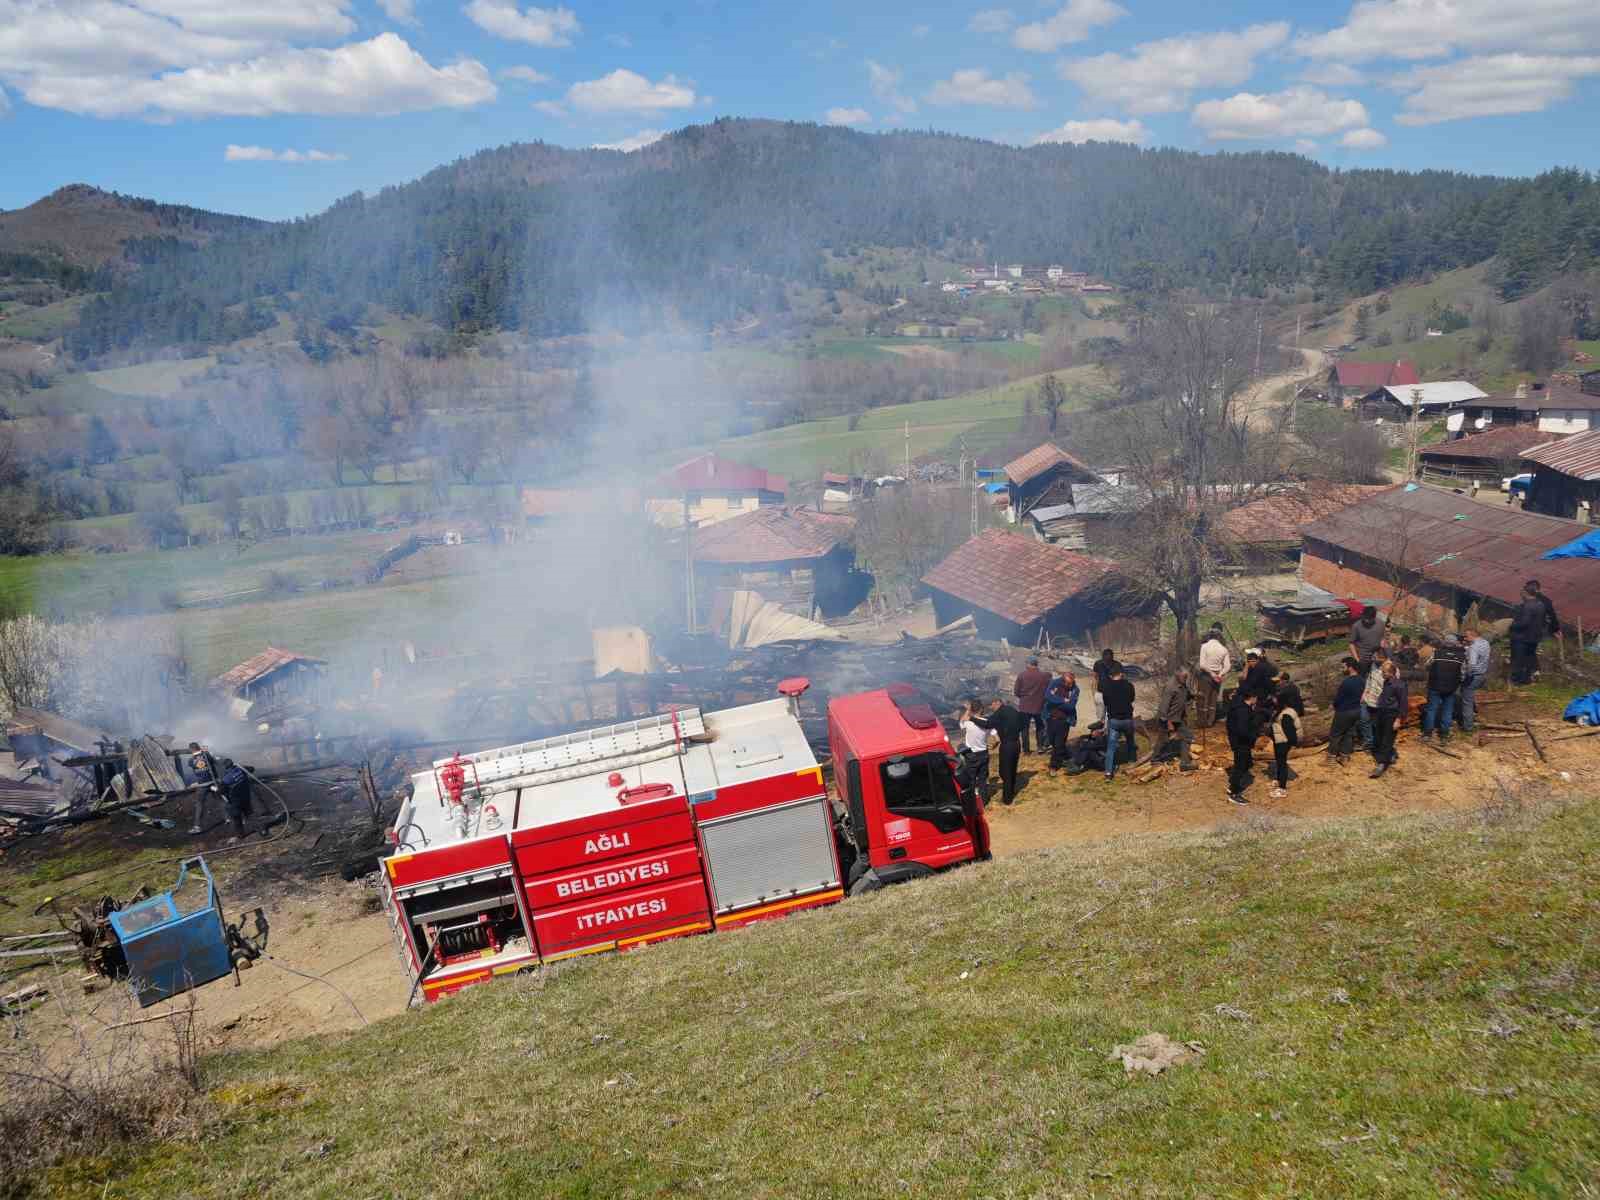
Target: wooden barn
1022	589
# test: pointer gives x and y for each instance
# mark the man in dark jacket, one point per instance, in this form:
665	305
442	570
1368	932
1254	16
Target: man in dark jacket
1117	693
1172	714
1009	725
1346	712
1393	703
1029	691
1528	625
1102	672
1444	682
1241	728
234	785
1552	624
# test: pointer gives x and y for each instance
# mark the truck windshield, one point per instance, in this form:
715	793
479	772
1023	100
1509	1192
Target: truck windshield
915	783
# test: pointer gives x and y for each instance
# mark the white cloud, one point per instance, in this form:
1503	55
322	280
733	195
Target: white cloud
1102	129
380	77
551	108
537	26
5	103
1161	76
921	31
885	84
1415	29
402	11
264	154
645	137
1333	74
973	85
1363	139
1305	146
1491	85
280	21
847	116
992	20
1075	21
525	75
627	91
1297	112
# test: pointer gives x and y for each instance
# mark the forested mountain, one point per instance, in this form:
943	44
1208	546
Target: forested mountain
710	222
82	227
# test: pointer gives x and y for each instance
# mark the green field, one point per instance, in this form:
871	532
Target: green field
43	323
987	418
153	378
1401	1007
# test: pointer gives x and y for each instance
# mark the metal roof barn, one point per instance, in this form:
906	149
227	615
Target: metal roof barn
1480	549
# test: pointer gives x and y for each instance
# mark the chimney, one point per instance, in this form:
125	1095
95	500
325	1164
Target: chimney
1522	391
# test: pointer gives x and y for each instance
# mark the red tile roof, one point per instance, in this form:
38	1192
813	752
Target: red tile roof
1577	456
1371	376
259	665
1486	549
1508	441
708	473
1016	577
770	535
1039	460
1279	518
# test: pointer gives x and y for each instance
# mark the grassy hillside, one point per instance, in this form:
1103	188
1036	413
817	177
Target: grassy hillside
1394	1008
986	418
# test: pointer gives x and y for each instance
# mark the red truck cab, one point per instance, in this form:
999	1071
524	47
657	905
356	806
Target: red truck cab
904	807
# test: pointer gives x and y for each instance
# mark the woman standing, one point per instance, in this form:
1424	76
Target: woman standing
1285	732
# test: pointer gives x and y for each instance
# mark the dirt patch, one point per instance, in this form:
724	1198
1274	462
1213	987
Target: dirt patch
1085	808
933	355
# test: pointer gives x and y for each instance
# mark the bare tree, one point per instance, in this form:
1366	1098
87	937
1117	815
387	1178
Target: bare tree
1191	452
1051	397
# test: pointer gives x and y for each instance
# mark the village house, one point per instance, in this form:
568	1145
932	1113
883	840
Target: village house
798	558
1429	555
1555	407
1566	477
1485	458
1394	401
1042	476
1020	589
1085	522
1348	382
1264	534
709	489
270	679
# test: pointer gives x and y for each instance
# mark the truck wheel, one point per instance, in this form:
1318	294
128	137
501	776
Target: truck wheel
868	881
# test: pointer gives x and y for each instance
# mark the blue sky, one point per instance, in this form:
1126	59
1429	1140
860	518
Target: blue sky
277	109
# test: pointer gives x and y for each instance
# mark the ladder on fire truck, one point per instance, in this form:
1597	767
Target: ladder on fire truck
574	755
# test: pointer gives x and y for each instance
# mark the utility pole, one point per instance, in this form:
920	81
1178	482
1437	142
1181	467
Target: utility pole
1258	344
908	453
1416	413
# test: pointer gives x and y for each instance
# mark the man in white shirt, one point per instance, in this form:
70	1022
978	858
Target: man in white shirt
1474	673
1369	698
975	748
1214	665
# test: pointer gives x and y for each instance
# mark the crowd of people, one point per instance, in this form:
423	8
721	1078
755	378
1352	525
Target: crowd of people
1370	703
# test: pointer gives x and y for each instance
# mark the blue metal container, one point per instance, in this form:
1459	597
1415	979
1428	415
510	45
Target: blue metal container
174	941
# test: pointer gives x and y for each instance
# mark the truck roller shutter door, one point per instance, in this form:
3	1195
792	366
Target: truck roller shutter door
770	853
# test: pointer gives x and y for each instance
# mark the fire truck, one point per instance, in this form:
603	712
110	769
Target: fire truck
675	824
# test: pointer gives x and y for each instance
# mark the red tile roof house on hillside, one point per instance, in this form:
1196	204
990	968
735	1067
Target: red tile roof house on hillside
1349	381
1432	554
1018	588
713	489
797	557
1044	475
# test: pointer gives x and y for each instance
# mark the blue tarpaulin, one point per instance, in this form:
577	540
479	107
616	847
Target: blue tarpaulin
1588	546
1584	706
